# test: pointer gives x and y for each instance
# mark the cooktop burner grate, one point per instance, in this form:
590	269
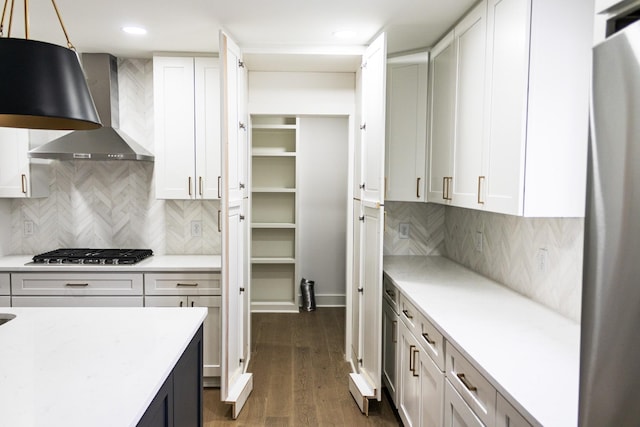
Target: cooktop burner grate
92	256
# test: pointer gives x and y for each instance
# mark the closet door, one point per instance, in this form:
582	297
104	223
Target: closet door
236	383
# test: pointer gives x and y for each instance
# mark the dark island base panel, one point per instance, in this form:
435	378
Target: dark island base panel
179	401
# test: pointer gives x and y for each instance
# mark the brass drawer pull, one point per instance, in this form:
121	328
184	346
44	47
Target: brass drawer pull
466	383
77	285
189	186
200	185
480	179
427	339
23	183
187	284
413	353
418	187
411	367
390	293
407	315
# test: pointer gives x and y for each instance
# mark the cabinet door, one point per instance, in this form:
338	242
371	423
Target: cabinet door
236	383
76	301
441	121
212	333
173	90
406	129
470	39
409	393
14	163
505	117
207	130
390	348
507	416
456	412
431	391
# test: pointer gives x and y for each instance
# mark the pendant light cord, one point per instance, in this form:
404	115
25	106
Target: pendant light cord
64	30
26	20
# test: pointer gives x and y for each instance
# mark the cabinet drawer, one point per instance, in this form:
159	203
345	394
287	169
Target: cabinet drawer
76	284
182	284
390	292
4	284
471	385
409	314
431	340
76	301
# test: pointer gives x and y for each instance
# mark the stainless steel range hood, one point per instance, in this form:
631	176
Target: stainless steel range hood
108	142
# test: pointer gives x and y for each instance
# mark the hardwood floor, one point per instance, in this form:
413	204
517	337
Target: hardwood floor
300	376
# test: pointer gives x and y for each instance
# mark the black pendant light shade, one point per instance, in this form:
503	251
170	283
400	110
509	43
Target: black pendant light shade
42	86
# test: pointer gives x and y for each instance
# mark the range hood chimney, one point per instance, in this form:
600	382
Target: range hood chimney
108	142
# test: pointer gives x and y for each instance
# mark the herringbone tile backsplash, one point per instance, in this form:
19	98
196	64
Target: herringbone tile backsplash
112	203
511	248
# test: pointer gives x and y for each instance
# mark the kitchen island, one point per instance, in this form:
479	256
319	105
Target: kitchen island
96	366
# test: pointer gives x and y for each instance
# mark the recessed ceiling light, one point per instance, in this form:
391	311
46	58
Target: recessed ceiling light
138	31
344	34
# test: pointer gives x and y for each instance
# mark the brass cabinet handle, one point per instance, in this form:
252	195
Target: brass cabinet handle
413	353
187	284
394	334
77	285
427	339
418	187
219	219
181	303
390	293
411	367
466	382
192	304
407	315
444	186
219	186
449	181
190	186
480	179
200	185
23	183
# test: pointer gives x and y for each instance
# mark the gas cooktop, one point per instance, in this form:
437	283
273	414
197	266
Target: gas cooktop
93	256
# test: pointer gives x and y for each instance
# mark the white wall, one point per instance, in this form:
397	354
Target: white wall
323	172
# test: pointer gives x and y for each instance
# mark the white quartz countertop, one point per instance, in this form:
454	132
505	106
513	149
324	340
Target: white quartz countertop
528	352
88	366
160	263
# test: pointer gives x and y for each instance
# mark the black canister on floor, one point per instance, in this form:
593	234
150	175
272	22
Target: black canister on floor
308	295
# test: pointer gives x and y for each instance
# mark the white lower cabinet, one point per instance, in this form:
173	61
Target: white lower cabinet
5	301
421	383
190	290
456	412
507	415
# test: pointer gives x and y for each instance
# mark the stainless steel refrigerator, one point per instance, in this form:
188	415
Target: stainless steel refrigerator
610	344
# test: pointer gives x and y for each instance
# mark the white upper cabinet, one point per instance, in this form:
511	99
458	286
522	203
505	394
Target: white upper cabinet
519	133
19	177
442	112
406	127
536	110
187	127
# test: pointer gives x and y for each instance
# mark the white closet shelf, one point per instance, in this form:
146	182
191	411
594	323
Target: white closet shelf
273	127
273	260
273	225
272	190
274	153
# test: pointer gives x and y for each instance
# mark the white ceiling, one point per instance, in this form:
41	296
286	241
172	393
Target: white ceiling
192	25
